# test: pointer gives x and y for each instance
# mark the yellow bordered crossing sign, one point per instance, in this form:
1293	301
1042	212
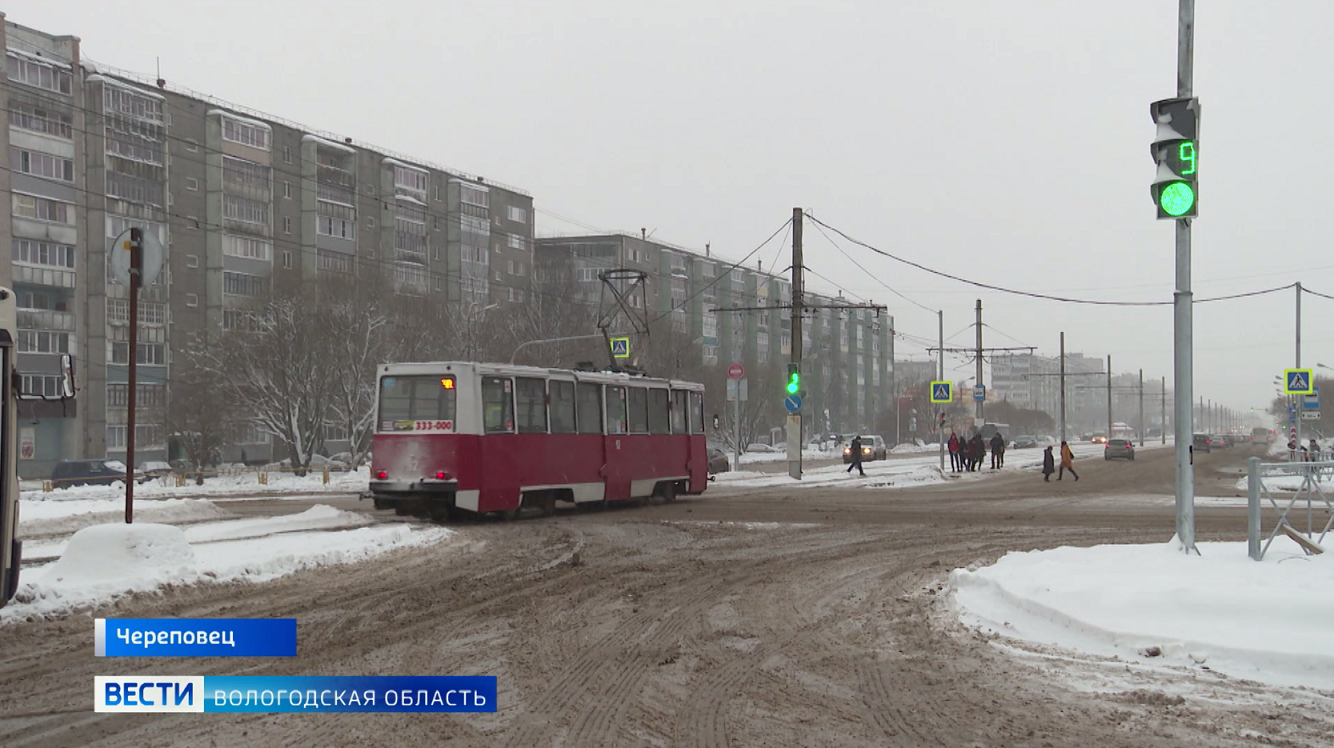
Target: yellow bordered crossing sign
1298	382
620	347
942	392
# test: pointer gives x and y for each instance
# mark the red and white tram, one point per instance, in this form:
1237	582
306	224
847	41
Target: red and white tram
463	436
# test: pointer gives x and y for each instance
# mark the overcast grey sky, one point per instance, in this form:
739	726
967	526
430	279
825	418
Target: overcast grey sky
1006	142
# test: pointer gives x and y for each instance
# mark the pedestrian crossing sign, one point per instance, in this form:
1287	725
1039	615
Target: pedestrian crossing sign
942	392
620	347
1298	382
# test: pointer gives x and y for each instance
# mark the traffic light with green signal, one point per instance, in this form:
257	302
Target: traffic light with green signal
1175	188
793	379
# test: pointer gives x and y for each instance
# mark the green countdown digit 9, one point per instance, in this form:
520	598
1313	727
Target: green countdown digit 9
1186	153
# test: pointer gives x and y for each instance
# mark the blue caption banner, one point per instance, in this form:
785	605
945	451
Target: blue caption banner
195	637
295	693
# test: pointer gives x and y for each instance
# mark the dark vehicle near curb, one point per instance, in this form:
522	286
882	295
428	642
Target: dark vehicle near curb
87	473
1025	442
1119	449
1201	443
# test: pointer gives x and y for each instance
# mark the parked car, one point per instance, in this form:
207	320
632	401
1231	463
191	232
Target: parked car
153	470
762	448
87	473
1024	442
873	448
1202	444
1119	449
719	462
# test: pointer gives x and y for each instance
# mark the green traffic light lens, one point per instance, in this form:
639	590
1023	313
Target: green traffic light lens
1177	198
792	387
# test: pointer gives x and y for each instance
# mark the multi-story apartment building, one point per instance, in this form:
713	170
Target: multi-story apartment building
1033	382
846	361
242	201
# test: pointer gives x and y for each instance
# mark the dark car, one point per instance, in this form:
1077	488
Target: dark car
87	473
1119	449
1202	443
873	448
1024	442
719	462
1219	442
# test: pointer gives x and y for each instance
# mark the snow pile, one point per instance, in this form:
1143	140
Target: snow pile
126	557
1151	604
38	518
102	563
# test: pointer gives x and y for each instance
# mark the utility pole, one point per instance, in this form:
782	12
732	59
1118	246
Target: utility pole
1109	396
1141	407
1182	301
1063	386
940	366
981	418
894	382
1163	393
1299	400
794	419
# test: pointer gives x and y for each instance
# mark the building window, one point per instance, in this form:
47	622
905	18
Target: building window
287	190
192	184
242	284
370	223
436	195
330	226
287	154
41	164
248	133
517	242
149	353
410	179
334	262
43	253
192	261
39	74
518	215
244	246
42	341
245	210
43	209
238	172
191	144
40	118
436	253
192	299
287	224
436	221
287	259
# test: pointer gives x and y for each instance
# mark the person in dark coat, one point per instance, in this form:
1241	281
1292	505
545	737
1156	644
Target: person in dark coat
1048	464
978	451
997	451
856	450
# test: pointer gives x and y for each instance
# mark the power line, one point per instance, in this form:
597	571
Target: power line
864	270
1032	294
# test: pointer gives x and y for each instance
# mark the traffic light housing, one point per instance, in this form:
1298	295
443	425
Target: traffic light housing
793	379
1175	152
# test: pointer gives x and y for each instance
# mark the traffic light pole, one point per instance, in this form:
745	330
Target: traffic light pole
1183	370
794	419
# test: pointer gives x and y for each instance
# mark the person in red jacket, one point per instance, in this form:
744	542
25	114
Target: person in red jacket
953	445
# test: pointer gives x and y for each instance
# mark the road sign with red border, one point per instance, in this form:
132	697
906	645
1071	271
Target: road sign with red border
736	371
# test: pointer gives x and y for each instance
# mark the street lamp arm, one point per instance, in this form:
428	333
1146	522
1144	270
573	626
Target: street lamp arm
550	340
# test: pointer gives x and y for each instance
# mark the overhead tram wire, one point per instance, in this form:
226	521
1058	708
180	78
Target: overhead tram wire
1032	294
891	289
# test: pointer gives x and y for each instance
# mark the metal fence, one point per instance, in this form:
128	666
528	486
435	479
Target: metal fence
1261	486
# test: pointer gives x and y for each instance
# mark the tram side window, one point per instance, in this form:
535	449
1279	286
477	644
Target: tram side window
616	410
697	412
657	412
638	410
531	401
497	405
562	407
679	406
589	405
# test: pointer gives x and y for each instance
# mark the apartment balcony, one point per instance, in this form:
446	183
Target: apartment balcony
332	175
43	276
44	319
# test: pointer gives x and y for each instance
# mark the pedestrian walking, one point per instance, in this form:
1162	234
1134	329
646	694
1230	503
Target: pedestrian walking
1048	464
997	451
1067	462
856	451
955	455
977	449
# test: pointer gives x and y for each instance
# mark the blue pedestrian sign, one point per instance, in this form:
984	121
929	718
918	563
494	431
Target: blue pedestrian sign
792	403
979	392
620	347
1298	382
942	392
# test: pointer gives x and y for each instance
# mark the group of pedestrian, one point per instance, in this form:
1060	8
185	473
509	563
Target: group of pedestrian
1067	463
966	455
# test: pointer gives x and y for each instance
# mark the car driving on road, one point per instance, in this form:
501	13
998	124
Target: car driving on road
1119	449
873	448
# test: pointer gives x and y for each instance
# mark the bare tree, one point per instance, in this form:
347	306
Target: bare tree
199	417
354	342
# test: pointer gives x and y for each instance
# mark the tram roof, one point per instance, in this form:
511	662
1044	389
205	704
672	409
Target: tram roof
516	370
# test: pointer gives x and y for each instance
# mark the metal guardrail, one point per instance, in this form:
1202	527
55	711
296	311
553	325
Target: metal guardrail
1312	474
183	479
